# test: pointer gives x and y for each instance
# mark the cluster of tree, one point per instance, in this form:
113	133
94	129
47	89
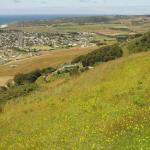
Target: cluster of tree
102	54
140	44
7	94
121	29
23	84
31	77
124	38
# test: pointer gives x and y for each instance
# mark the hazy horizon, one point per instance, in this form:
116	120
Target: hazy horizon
102	7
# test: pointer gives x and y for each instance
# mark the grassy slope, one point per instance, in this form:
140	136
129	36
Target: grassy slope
140	44
105	108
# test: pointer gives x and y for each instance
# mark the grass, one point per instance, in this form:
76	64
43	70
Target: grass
141	28
97	110
52	58
103	38
42	47
140	44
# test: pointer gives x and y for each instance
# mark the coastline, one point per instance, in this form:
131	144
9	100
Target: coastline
8	19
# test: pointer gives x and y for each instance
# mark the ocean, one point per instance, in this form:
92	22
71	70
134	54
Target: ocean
7	19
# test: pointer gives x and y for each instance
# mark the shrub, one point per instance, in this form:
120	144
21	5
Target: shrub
10	83
3	88
78	59
31	77
84	69
75	71
140	44
47	70
100	55
22	84
16	91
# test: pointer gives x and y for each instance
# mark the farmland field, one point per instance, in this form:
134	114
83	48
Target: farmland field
104	28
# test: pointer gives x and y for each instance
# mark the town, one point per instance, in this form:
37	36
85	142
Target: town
15	44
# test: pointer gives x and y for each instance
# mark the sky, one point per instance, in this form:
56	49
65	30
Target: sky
74	7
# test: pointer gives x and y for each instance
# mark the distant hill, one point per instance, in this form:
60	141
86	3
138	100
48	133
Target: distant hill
140	44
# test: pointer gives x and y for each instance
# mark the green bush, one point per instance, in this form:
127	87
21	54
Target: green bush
47	70
22	84
31	77
78	59
16	91
140	44
100	55
3	88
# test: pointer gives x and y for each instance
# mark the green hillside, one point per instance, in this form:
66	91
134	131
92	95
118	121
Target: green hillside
104	108
140	44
